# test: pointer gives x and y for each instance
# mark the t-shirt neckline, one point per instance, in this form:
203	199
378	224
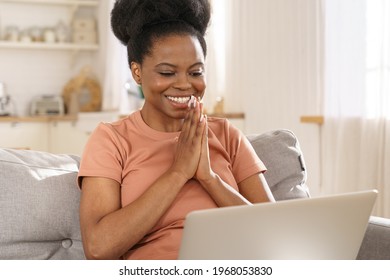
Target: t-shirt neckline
150	132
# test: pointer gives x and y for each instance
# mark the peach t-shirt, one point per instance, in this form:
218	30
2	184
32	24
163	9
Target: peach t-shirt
135	155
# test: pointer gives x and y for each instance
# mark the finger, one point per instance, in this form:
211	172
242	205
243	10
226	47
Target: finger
185	130
203	128
204	156
194	122
201	112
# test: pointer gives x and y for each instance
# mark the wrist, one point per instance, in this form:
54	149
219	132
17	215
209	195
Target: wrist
178	177
210	180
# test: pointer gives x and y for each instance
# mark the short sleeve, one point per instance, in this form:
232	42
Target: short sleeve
102	155
244	159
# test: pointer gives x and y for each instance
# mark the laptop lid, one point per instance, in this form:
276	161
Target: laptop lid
329	227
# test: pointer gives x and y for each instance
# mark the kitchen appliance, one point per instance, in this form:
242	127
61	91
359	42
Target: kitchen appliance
5	102
47	105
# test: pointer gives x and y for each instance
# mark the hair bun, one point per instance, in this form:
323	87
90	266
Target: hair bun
129	17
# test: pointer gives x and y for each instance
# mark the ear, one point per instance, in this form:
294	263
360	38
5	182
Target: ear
136	72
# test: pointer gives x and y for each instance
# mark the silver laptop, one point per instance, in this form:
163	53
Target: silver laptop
330	227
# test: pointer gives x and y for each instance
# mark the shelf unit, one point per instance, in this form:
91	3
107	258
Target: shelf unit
38	119
73	5
49	46
50	65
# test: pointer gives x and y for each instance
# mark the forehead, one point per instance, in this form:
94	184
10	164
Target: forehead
176	49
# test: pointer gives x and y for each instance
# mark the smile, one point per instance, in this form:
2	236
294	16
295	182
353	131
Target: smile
181	100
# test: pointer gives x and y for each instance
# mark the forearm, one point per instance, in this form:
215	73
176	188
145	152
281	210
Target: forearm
115	233
222	193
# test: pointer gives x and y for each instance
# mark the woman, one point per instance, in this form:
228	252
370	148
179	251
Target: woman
142	175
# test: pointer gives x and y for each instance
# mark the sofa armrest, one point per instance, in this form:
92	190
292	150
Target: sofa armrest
376	242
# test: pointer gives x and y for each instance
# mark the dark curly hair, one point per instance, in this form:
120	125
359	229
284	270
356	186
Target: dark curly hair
139	23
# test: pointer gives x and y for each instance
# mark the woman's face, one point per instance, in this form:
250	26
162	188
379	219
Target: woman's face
169	76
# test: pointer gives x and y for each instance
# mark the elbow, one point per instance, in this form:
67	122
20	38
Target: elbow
94	252
97	251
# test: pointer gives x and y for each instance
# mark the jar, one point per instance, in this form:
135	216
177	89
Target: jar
49	35
11	33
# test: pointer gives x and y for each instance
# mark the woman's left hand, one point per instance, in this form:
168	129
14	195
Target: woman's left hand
204	171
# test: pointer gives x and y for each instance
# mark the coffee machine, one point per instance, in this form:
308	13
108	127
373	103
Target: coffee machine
5	102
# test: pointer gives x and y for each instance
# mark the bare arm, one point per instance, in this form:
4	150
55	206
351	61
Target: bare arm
109	231
256	189
252	190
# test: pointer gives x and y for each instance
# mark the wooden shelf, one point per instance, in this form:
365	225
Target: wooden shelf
313	119
228	115
49	46
89	3
38	119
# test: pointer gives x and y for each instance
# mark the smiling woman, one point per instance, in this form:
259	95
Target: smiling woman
142	175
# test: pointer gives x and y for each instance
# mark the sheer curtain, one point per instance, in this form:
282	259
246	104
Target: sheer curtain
113	68
356	133
268	59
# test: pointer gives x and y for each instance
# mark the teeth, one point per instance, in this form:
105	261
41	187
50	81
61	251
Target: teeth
181	100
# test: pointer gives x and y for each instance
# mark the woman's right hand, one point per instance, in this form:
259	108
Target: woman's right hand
189	144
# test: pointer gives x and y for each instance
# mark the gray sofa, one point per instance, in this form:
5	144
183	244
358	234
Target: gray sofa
39	199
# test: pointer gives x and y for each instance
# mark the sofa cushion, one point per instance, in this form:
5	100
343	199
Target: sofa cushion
39	206
376	242
286	170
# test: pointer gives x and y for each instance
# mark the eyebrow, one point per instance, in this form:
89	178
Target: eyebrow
175	66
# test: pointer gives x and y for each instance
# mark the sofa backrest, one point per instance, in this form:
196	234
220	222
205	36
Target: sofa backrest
39	206
39	196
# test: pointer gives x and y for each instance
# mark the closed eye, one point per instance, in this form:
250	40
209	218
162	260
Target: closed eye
197	73
167	74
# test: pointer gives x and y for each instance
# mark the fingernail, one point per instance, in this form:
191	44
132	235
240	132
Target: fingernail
201	118
191	101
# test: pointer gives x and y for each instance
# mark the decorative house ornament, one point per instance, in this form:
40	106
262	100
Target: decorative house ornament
82	93
84	31
219	105
62	32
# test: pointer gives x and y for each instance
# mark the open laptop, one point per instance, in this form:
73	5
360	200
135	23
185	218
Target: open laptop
330	227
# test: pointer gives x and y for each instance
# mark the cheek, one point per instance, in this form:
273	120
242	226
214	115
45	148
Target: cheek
157	85
200	85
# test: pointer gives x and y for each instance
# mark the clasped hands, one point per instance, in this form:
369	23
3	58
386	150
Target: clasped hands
192	159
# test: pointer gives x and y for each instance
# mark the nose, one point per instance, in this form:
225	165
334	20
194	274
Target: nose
182	82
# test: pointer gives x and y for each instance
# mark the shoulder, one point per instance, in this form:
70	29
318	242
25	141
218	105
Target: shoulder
224	133
111	137
223	128
117	128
